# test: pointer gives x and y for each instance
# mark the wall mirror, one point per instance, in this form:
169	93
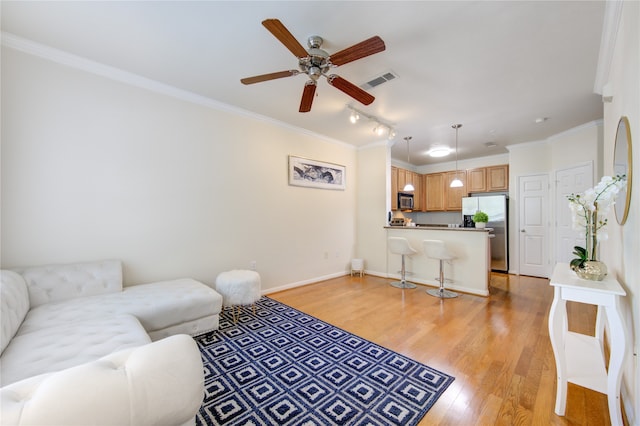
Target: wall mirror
622	162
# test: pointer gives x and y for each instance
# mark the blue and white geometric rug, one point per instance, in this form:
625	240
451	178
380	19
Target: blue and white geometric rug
284	367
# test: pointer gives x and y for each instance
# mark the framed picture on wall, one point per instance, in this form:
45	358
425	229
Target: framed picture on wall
316	174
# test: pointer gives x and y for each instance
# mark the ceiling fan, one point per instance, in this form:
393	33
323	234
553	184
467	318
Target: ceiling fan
315	63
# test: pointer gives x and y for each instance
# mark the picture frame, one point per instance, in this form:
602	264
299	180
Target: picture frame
316	174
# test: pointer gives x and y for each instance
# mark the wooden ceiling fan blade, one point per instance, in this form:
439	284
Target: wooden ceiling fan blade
358	51
307	96
270	76
281	32
350	89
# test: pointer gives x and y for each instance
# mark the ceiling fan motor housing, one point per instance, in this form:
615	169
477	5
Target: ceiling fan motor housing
317	62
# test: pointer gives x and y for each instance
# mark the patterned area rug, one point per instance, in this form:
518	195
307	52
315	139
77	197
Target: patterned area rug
280	366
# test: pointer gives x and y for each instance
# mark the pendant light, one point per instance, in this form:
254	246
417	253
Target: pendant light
408	186
456	183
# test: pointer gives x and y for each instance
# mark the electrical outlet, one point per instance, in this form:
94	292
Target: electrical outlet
253	265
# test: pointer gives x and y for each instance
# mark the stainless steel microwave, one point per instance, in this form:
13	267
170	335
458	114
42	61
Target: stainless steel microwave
405	201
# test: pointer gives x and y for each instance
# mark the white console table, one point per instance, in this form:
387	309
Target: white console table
580	358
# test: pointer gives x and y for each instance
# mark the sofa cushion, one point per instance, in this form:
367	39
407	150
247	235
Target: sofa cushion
68	344
53	283
157	306
14	299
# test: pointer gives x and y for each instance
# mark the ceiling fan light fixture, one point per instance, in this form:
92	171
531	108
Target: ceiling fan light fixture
354	117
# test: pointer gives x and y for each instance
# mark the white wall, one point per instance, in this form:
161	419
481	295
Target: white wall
579	145
570	148
620	252
93	168
374	188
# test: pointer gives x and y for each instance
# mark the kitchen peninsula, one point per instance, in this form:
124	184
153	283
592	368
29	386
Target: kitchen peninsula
469	272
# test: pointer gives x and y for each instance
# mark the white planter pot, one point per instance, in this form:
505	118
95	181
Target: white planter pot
481	224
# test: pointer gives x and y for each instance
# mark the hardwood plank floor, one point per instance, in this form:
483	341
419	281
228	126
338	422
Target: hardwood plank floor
496	347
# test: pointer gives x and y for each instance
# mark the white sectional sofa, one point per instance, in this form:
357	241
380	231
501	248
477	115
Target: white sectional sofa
79	348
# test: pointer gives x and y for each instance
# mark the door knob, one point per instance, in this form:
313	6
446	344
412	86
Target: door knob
522	230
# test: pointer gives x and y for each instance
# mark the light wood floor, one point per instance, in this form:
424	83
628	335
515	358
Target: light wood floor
496	347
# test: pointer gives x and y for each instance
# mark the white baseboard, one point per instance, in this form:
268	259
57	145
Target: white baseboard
304	282
430	283
318	279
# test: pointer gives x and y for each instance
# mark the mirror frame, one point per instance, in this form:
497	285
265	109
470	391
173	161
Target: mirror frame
623	136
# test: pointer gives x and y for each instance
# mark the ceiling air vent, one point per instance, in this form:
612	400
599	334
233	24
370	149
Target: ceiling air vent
380	79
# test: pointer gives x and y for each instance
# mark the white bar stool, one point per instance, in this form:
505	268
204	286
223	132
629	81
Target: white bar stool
435	249
398	245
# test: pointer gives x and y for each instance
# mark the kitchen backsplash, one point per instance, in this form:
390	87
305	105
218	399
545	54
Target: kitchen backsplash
438	218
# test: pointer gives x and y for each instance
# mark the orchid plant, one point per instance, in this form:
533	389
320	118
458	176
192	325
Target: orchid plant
589	211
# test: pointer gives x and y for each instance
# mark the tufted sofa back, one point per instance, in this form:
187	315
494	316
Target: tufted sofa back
14	299
55	283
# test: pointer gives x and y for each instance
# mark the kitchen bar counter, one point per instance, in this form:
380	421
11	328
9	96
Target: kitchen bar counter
440	228
469	272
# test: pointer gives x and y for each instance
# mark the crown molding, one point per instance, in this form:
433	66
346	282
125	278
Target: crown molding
612	16
21	44
585	126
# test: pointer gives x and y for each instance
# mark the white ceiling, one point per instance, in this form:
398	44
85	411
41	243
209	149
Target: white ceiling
495	67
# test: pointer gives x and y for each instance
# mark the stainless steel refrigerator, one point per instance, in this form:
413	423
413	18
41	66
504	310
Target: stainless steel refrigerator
496	207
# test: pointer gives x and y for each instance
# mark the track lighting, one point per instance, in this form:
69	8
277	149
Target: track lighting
380	125
379	129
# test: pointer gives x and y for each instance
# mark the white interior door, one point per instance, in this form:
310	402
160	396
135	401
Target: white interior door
533	193
569	181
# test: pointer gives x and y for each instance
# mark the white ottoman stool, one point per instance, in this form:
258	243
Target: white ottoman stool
357	266
238	287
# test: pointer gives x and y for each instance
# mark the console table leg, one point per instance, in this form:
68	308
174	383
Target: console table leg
557	330
616	359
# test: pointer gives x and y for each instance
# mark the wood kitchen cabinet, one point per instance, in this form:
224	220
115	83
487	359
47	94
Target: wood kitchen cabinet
477	180
399	178
418	194
394	188
498	178
434	191
453	196
488	179
402	179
